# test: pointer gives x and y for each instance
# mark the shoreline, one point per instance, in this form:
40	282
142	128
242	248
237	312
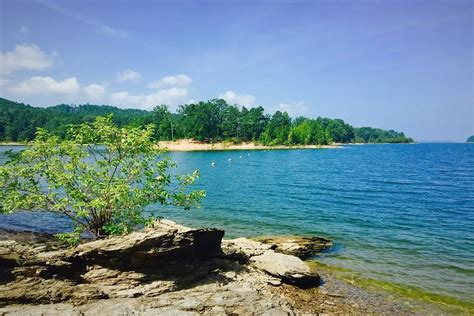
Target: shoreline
337	293
13	144
190	145
185	145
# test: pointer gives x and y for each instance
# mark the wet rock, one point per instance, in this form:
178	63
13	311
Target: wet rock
288	268
300	246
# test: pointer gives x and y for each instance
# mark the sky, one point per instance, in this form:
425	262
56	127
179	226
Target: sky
392	64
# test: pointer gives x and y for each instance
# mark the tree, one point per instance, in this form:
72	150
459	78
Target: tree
203	120
277	129
377	135
163	120
254	122
101	177
231	122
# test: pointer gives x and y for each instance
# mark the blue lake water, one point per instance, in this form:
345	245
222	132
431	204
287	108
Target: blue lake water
397	213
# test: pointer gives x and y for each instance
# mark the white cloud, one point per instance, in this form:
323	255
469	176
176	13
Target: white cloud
180	80
172	97
45	85
24	57
47	90
239	99
94	92
128	75
293	108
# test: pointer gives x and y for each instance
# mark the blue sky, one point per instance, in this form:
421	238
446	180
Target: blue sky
404	65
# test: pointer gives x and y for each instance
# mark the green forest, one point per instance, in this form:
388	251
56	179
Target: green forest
211	121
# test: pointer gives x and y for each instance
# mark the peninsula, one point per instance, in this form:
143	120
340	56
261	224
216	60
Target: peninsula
209	122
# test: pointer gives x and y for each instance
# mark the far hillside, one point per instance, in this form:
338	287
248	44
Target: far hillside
470	139
210	121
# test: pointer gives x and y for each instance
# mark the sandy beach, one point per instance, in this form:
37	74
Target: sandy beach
191	145
12	144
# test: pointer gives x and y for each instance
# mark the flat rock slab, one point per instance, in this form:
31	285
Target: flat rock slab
245	296
301	246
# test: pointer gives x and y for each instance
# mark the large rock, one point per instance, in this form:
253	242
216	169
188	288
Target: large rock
301	246
242	249
164	241
162	258
166	258
289	268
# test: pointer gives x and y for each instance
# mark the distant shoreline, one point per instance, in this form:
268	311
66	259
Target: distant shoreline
12	144
193	145
190	145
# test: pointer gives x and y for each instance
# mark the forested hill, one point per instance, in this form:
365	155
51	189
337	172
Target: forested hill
214	120
18	121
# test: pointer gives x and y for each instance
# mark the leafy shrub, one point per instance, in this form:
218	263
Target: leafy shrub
101	177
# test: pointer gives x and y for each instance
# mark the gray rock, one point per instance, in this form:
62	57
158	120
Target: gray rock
242	249
288	268
166	269
162	242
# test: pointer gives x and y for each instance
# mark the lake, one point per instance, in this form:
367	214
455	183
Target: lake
399	214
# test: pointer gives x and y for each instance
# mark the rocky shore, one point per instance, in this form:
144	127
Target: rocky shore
170	269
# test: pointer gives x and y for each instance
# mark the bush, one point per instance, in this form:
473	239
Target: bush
101	177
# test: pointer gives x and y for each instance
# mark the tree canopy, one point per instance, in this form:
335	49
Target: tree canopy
210	121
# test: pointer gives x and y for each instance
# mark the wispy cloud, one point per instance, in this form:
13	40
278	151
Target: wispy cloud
98	25
128	75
